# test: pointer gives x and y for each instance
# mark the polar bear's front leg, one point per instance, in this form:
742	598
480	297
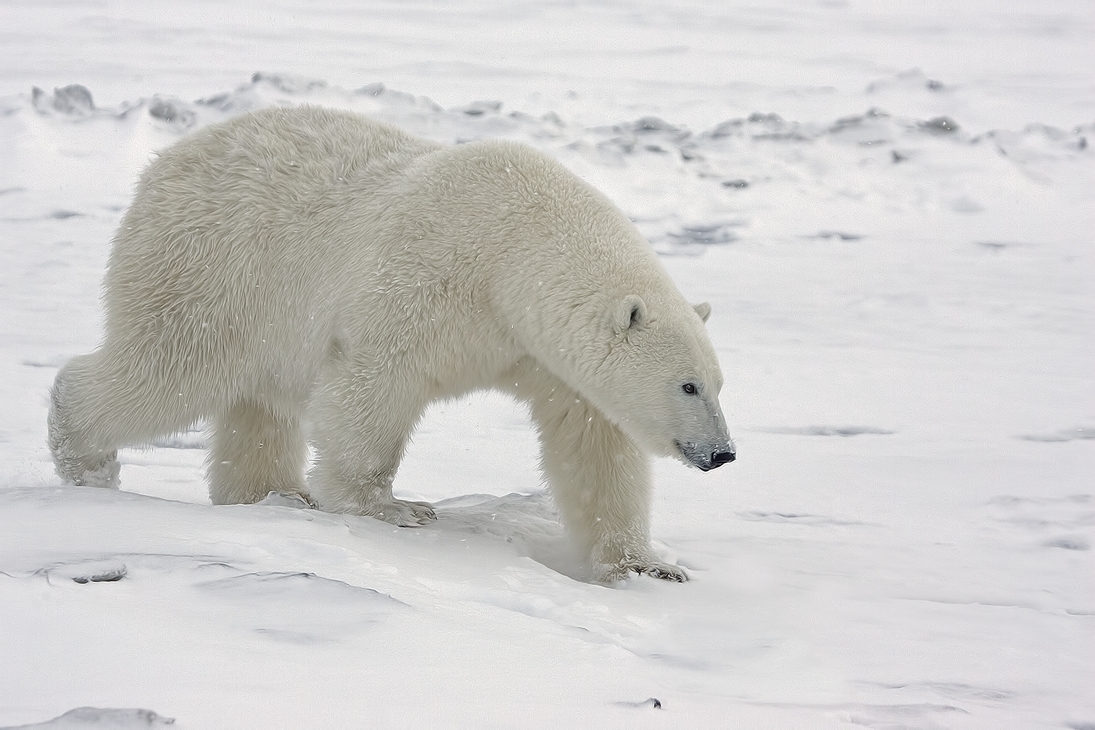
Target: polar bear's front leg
599	478
338	485
361	428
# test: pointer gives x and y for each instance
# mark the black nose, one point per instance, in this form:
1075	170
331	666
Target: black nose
722	457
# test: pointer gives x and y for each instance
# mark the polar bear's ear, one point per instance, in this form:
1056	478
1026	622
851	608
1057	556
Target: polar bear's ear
630	312
703	309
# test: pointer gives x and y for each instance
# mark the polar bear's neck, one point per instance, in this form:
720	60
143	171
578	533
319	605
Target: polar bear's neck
558	253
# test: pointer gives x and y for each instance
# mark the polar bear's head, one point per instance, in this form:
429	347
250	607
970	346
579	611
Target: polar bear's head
661	380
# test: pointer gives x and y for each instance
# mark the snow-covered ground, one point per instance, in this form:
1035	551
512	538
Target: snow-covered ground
891	208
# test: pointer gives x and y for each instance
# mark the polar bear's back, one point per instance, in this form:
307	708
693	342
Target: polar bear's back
259	181
232	228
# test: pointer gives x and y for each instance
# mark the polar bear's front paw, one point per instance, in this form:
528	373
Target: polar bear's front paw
620	571
665	571
402	513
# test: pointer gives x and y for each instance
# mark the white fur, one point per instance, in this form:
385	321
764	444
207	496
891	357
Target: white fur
305	265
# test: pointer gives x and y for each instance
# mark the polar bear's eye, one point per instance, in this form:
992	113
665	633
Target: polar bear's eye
689	388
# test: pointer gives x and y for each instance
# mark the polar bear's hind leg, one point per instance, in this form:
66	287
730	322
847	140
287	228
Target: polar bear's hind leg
256	451
104	401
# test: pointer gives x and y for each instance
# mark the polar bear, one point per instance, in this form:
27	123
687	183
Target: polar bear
299	266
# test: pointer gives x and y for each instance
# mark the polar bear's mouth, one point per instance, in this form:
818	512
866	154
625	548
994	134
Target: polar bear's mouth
703	459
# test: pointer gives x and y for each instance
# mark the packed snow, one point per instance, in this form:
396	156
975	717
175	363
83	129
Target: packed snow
891	209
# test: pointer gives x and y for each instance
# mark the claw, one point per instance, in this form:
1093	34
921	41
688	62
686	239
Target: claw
403	514
662	571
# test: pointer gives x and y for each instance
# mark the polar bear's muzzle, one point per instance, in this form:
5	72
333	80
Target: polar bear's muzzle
706	459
